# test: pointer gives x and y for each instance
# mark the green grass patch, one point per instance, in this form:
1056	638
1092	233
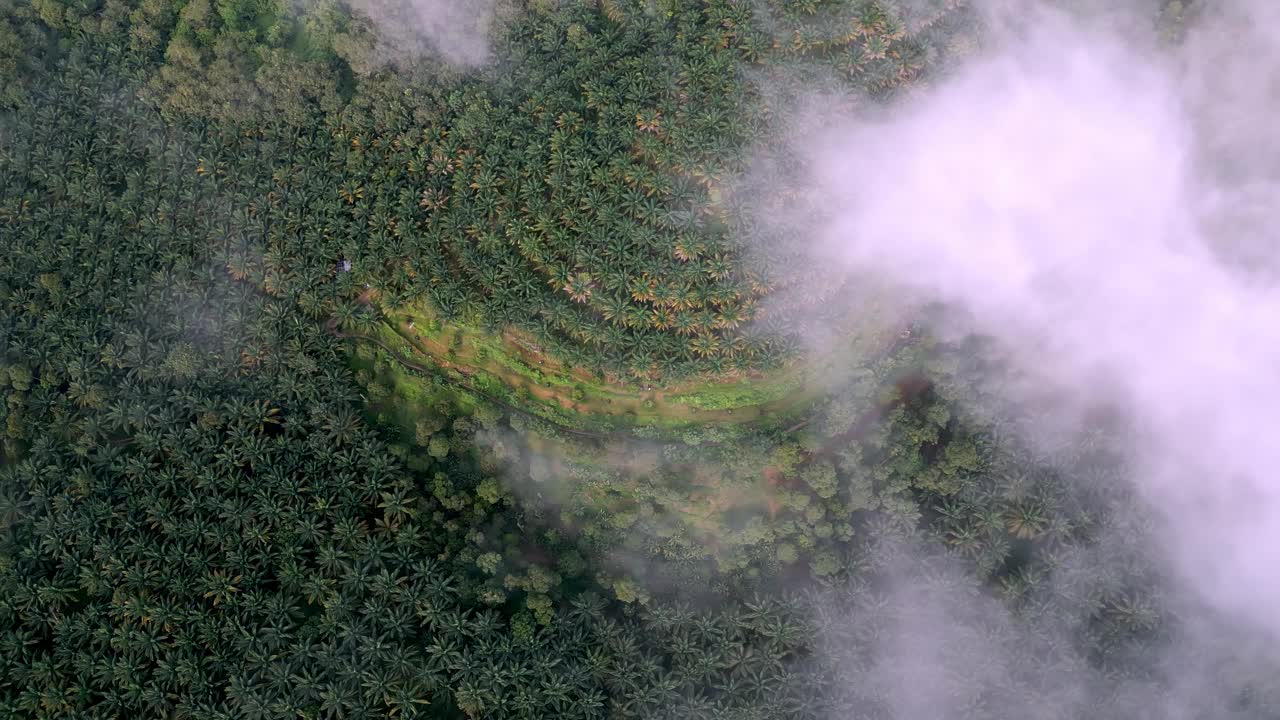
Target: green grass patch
512	371
741	394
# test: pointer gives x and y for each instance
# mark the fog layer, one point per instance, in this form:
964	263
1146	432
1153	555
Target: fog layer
456	30
1093	202
1101	204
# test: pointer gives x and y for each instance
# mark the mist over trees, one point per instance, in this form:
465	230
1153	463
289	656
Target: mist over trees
232	484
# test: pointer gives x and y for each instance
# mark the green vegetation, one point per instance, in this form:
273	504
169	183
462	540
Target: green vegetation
509	368
238	483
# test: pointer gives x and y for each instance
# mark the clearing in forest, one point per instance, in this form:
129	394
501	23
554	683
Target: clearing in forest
513	369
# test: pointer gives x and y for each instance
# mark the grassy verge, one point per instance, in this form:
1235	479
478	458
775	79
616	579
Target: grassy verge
511	370
540	381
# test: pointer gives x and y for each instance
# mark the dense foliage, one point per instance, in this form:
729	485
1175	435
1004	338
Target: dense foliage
199	519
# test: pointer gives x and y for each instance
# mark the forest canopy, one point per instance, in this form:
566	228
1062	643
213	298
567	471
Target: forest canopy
437	359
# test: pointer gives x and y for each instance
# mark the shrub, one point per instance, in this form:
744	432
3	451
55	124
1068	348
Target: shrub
438	447
787	553
821	478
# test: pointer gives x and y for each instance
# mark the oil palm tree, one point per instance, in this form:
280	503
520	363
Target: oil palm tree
579	287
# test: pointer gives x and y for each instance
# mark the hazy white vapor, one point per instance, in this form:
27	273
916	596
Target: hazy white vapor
457	30
1087	202
1105	209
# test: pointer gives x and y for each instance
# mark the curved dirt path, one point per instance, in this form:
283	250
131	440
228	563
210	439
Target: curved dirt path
475	354
395	355
601	398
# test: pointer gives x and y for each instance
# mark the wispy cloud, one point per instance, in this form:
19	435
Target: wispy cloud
1103	207
458	31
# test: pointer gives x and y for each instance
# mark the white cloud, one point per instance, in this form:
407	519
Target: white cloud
1105	209
458	30
1081	198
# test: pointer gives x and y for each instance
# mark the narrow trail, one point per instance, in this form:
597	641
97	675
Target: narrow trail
600	398
519	363
451	349
436	371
